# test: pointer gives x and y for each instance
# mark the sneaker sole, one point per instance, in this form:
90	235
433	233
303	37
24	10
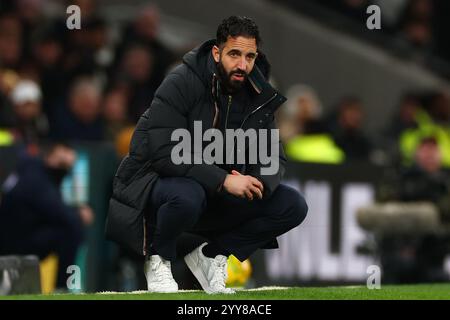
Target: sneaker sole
199	276
163	291
171	290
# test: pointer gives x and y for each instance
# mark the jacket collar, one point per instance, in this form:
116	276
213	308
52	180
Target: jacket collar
257	80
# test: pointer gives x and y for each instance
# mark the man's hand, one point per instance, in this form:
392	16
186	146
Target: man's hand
86	214
243	186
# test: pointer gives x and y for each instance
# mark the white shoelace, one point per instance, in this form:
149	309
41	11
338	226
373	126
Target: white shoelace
220	272
164	272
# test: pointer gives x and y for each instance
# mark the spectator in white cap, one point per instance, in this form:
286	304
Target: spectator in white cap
30	123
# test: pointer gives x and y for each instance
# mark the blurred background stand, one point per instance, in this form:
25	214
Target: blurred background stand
19	275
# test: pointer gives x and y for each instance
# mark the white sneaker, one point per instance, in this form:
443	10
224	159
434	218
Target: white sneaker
211	273
159	275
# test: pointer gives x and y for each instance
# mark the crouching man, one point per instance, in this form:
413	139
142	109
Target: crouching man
238	206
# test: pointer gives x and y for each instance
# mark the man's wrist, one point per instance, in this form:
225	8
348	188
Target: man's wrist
221	187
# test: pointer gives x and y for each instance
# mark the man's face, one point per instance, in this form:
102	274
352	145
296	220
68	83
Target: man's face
235	60
351	116
85	103
428	157
27	111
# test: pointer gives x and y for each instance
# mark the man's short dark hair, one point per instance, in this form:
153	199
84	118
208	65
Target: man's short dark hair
235	26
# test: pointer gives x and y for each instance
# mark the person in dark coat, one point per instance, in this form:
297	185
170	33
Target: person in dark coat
33	217
347	130
237	207
420	257
80	119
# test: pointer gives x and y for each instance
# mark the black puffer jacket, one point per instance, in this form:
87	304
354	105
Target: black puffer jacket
186	95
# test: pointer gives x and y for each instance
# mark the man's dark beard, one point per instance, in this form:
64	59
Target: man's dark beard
230	86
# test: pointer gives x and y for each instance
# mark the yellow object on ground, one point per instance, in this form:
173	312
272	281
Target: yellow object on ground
238	272
49	271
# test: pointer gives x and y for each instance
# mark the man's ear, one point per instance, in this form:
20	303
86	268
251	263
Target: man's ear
216	53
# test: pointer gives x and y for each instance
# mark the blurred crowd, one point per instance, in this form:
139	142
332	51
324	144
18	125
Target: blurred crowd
339	135
85	85
75	85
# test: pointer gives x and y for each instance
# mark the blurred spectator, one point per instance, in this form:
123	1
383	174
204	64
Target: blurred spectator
347	130
81	118
33	217
85	49
405	117
115	113
30	13
301	114
10	41
302	130
425	180
8	80
78	57
432	119
418	33
47	59
145	29
415	27
420	257
98	42
30	123
438	107
143	33
135	76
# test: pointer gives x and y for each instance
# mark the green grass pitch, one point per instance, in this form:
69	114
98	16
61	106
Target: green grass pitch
388	292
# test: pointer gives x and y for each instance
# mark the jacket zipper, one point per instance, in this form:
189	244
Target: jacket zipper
258	108
251	113
228	111
226	120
